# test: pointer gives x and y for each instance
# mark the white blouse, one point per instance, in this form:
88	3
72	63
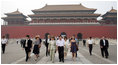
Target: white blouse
90	41
66	43
4	41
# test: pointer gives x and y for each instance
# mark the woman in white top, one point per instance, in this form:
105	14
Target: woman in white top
90	45
4	41
66	46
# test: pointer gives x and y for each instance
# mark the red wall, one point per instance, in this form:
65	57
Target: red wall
94	31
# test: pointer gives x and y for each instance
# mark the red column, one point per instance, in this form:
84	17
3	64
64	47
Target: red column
38	20
44	20
32	21
48	20
96	21
78	20
82	20
89	20
73	20
60	20
52	20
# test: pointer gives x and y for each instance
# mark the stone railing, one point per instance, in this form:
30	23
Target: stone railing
66	23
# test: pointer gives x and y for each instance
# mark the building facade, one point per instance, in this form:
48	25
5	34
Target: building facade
85	31
15	18
64	14
61	20
110	17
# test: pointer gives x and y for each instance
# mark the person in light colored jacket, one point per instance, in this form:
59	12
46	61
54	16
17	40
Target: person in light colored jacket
66	46
52	49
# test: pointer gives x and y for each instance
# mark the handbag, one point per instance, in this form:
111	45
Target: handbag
39	45
93	43
77	47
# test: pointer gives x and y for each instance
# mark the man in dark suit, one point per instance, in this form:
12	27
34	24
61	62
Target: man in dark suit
104	45
84	42
46	44
27	46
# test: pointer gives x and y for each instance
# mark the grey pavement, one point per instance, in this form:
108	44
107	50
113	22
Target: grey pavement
15	55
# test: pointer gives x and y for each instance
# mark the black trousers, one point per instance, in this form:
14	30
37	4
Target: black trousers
61	53
27	50
76	54
47	52
90	48
84	44
104	50
21	44
3	48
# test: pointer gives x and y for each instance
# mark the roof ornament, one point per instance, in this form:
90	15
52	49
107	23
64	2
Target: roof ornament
112	7
46	4
80	4
17	9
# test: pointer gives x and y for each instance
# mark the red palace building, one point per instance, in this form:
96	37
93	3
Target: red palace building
15	18
61	20
110	17
64	14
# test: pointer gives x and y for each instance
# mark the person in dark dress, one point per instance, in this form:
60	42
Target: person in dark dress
77	42
104	45
46	44
74	47
36	47
27	46
84	42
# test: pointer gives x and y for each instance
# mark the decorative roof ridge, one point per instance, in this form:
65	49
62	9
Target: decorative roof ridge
66	6
112	10
14	12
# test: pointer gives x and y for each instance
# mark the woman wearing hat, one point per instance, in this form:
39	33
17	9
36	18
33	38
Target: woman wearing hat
36	47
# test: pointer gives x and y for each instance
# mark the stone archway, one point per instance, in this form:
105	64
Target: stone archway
46	35
79	36
63	34
7	36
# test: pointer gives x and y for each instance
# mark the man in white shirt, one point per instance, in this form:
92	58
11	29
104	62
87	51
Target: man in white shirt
90	45
60	46
4	41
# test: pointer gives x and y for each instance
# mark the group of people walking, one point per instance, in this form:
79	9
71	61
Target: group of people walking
28	44
59	44
104	45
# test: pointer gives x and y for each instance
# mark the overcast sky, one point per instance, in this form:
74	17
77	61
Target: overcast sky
25	6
